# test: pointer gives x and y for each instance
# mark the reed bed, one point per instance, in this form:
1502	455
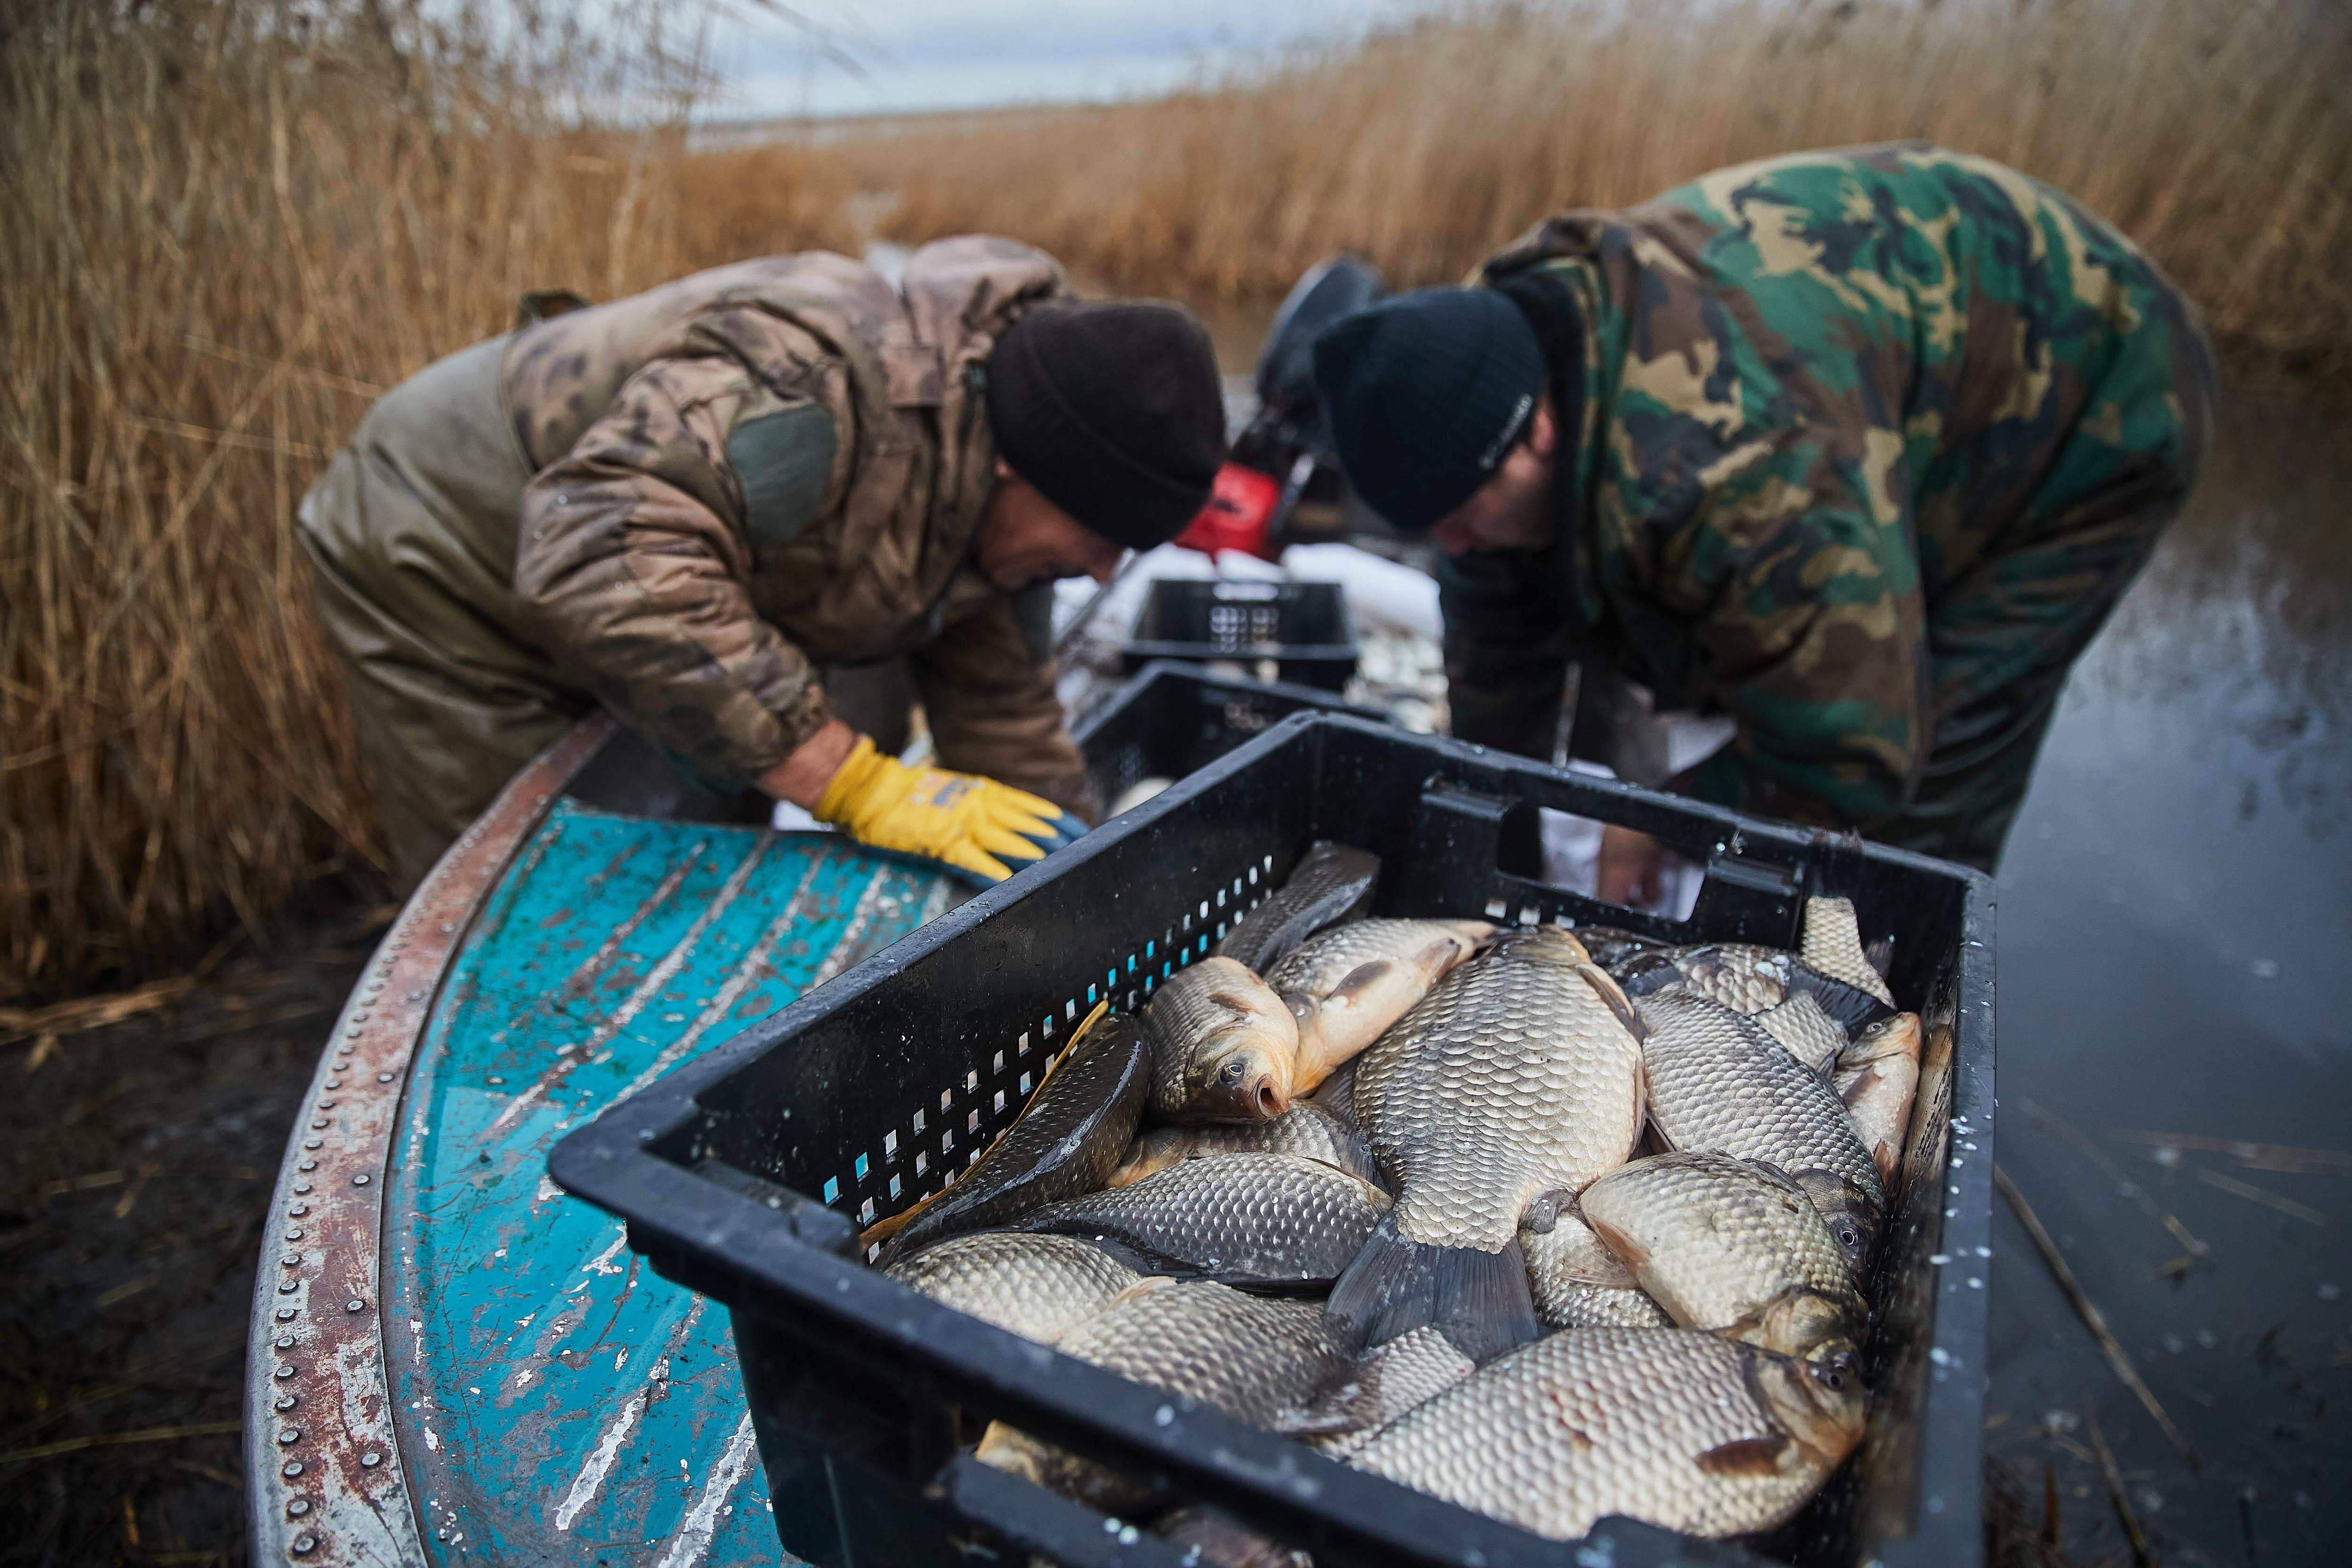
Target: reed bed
2220	136
232	223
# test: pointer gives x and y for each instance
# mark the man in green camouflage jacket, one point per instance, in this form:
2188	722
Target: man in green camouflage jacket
1859	447
702	506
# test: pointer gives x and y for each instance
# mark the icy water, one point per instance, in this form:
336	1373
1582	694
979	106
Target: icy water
2173	915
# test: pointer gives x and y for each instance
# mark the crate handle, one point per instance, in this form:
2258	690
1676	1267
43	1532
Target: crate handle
1050	1526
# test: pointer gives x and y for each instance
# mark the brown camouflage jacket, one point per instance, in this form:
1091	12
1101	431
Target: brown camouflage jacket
768	467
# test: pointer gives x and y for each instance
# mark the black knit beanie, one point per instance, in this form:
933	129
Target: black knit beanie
1426	393
1114	410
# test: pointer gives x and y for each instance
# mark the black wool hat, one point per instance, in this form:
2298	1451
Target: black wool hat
1114	410
1425	393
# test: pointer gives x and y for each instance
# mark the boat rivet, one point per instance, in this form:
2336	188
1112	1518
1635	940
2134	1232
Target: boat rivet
384	1077
308	1165
298	1209
291	1468
303	1543
495	1079
309	1142
361	1180
334	1083
355	1305
285	1402
329	1104
291	1260
301	1187
287	1287
371	1459
293	1233
285	1314
317	1124
283	1368
297	1507
286	1342
288	1434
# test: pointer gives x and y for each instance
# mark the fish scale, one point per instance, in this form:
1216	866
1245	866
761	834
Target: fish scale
1513	1077
1679	1429
1720	1083
1253	1358
1731	1246
1034	1286
1256	1219
1519	1075
1580	1284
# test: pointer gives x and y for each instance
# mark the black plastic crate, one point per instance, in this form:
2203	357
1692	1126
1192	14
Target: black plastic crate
1176	717
747	1174
1303	628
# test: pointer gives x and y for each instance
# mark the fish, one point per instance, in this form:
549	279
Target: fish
1223	1045
1260	1360
1680	1429
1387	1381
1812	1036
1331	883
1272	1221
1211	1535
1349	984
1578	1283
1033	1285
1720	1084
1831	942
1877	1076
1519	1074
1733	1247
1077	1122
1748	979
1310	1127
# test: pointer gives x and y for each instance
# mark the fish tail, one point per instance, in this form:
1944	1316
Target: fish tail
1479	1301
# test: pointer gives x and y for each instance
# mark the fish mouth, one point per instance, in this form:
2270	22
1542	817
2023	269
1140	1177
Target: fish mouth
1247	1086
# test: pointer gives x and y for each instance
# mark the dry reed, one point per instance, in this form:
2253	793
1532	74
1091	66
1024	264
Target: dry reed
230	225
2219	136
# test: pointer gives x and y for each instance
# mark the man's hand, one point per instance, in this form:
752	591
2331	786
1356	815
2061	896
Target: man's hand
972	824
1632	868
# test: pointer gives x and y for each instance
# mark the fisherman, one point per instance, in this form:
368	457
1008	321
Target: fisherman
706	507
1859	447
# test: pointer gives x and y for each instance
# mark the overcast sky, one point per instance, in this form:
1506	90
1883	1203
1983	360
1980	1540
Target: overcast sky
966	54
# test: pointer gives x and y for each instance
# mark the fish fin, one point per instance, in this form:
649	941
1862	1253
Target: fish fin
1880	955
1478	1300
1605	985
1753	1457
1629	1252
1358	980
1850	1006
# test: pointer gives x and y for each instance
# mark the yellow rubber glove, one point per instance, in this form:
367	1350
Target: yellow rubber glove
972	824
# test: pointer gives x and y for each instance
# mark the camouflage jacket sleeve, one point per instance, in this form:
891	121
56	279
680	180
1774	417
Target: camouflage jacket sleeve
990	699
630	568
1800	585
1507	649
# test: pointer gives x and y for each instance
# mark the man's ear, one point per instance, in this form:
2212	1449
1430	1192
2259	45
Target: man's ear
1543	431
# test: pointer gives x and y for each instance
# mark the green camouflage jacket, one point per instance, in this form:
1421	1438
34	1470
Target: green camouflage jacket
1849	439
757	471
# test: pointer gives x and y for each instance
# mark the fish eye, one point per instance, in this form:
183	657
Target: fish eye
1833	1378
1849	1235
1231	1074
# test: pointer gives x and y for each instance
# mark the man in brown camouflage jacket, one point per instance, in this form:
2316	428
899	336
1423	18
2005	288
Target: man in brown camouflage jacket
691	505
